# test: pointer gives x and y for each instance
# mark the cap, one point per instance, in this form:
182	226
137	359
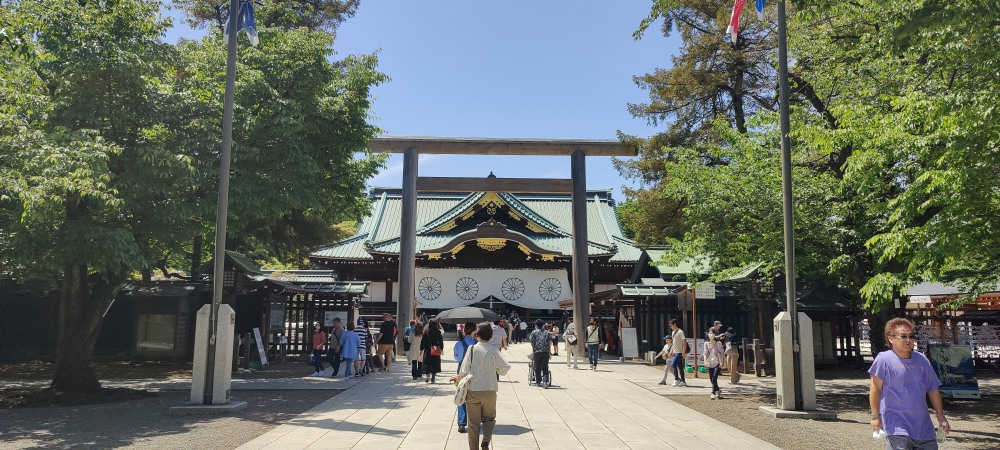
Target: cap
361	320
718	323
667	337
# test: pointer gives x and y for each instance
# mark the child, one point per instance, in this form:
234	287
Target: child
665	353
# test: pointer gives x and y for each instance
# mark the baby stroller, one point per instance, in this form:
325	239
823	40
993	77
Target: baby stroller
531	371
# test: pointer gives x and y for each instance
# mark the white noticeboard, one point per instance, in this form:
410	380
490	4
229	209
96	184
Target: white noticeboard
328	317
260	346
705	290
630	344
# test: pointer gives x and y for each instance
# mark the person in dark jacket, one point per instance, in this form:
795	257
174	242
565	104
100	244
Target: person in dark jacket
432	338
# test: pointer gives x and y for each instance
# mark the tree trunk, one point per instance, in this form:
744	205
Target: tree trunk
83	300
196	257
876	324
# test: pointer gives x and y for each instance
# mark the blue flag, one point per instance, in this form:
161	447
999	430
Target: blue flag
760	9
245	21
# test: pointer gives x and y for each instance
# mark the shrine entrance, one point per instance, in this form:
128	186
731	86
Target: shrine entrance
576	186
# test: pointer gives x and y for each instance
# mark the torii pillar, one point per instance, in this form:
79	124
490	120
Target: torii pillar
577	150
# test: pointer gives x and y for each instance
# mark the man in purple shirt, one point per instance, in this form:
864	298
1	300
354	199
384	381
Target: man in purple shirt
901	381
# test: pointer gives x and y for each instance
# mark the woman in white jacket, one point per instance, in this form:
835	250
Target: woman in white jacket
484	363
414	355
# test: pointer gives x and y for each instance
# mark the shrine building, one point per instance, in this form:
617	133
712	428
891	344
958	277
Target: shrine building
498	250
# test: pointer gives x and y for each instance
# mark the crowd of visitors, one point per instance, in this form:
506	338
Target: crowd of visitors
902	380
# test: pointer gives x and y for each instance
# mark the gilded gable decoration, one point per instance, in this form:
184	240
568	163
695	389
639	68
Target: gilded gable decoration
491	244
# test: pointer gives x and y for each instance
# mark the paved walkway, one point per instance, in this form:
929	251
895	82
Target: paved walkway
583	410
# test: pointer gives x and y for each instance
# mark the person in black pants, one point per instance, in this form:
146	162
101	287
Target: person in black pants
540	352
433	342
334	348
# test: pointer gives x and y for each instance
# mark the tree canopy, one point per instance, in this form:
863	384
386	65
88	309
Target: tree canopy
894	139
109	150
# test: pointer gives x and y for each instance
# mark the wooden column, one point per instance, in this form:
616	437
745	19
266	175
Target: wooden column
581	260
407	244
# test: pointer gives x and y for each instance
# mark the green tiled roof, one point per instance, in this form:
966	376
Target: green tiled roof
379	233
243	263
698	265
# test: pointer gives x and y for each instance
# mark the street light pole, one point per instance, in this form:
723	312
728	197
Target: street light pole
786	193
222	212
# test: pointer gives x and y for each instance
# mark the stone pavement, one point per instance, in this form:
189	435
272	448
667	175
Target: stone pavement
582	410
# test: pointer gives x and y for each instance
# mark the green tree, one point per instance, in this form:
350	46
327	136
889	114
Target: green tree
711	79
109	150
324	15
894	153
85	160
914	91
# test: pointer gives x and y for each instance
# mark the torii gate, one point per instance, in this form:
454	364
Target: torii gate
576	149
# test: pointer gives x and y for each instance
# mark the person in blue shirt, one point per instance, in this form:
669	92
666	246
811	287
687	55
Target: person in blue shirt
349	344
460	349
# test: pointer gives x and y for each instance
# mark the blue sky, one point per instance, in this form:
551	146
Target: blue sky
519	69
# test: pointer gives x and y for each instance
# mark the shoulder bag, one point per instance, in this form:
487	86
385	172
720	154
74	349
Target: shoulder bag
435	350
462	390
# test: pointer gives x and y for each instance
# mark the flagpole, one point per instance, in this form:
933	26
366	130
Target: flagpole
786	193
222	211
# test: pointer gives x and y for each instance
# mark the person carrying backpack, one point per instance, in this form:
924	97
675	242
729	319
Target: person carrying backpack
334	346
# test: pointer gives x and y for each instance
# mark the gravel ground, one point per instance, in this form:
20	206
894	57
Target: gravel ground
974	422
145	424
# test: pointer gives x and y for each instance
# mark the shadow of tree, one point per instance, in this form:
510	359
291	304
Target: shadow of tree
145	422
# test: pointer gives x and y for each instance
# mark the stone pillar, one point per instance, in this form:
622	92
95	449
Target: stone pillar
222	367
407	245
581	260
784	367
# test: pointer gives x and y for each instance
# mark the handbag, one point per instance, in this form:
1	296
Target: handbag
712	360
435	350
462	386
571	339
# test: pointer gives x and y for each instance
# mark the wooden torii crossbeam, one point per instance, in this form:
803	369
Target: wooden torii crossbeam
576	149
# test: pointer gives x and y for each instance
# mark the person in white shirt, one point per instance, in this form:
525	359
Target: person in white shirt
484	362
571	335
678	351
665	354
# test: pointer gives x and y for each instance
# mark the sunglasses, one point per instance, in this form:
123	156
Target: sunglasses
911	337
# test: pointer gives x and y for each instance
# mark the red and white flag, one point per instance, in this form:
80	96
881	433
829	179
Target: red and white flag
734	21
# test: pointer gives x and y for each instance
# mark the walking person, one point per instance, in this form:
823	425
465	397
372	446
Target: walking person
712	357
540	354
386	341
593	343
678	353
318	345
460	348
349	344
902	380
571	337
334	345
365	338
666	353
732	356
483	362
415	355
432	345
406	334
522	330
554	333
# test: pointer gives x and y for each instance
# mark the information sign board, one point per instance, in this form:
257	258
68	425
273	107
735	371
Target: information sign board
260	346
630	344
